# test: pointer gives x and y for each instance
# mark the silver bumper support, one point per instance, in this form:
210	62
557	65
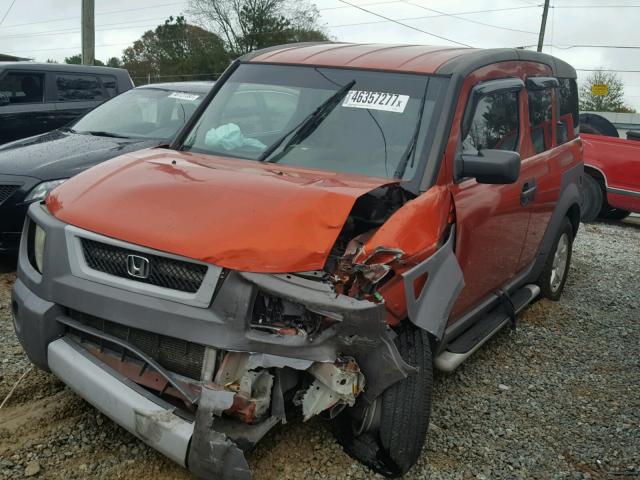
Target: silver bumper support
153	424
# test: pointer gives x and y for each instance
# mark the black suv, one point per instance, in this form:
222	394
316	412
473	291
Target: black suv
38	97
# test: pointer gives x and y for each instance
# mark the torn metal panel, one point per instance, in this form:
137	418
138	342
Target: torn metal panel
212	454
335	384
265	360
415	229
359	328
429	309
382	368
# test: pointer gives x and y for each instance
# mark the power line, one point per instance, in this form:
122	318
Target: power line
596	6
605	70
405	25
77	30
111	12
569	47
7	12
457	17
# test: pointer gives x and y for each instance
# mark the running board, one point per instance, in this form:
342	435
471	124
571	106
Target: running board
471	340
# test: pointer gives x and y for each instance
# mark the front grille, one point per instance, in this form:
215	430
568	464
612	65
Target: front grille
178	356
6	191
163	272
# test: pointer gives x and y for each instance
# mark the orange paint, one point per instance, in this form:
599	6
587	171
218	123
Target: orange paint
417	229
238	214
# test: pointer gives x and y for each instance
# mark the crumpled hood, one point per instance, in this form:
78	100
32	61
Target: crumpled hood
60	154
238	214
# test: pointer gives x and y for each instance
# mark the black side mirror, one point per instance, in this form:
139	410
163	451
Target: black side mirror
492	166
4	100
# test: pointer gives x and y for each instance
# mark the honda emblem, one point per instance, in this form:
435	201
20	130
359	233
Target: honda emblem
138	266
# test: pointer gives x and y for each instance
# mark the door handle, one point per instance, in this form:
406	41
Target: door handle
528	193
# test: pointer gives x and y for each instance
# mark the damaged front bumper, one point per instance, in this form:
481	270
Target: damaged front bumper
83	327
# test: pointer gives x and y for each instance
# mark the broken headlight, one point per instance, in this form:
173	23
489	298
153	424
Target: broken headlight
282	317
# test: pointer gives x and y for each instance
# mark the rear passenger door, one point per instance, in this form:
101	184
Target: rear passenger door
75	94
491	221
539	168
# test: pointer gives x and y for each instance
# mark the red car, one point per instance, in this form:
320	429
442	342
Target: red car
612	180
333	223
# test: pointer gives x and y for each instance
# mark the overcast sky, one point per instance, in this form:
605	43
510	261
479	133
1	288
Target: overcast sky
43	29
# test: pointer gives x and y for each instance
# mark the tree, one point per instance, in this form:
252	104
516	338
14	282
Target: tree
114	62
247	25
612	102
77	60
176	49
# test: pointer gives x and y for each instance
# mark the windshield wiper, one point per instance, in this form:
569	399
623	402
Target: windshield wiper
309	124
98	133
410	152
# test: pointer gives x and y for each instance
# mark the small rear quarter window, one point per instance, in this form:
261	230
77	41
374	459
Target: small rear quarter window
78	87
110	85
568	119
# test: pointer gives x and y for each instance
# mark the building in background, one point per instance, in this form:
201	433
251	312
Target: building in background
11	58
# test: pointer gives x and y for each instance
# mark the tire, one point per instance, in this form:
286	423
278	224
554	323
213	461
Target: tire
556	269
601	125
615	214
394	446
592	198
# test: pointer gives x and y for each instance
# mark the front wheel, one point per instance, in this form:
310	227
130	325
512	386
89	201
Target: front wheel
556	269
397	422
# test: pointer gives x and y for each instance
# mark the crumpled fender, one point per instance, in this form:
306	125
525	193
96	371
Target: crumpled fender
416	228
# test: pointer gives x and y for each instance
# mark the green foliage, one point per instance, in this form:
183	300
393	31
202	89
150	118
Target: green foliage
247	25
77	60
613	102
176	51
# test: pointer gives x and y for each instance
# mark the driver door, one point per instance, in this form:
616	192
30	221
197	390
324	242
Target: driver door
491	222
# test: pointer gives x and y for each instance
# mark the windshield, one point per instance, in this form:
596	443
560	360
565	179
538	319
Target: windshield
354	121
141	113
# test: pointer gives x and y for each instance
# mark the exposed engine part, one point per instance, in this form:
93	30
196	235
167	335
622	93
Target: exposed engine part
252	388
282	317
368	213
209	364
335	385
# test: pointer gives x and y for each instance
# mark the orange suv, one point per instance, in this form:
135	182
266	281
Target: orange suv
334	222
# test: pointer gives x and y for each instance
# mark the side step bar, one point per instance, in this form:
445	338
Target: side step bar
472	339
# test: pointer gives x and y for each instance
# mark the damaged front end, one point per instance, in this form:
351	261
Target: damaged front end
270	347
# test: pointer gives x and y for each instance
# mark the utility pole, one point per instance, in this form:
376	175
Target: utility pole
543	25
88	32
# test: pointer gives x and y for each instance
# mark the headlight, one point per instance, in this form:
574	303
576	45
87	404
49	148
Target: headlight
40	191
38	247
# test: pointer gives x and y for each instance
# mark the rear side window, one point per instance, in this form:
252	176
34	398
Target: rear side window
20	87
72	87
568	120
494	124
540	119
110	85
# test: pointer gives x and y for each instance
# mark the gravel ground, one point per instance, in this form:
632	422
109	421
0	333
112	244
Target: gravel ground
557	398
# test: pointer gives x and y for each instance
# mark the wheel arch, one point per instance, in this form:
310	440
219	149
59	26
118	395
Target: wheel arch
598	174
573	214
567	206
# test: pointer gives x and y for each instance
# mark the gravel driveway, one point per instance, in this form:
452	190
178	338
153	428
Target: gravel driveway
557	398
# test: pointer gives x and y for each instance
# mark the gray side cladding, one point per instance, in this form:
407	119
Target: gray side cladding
468	62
